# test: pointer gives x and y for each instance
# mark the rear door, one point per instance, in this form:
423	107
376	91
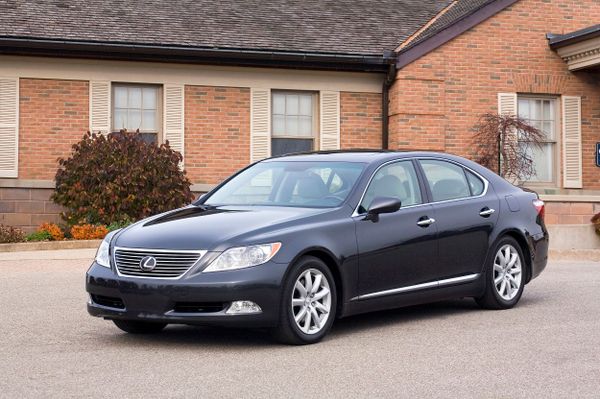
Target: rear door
466	210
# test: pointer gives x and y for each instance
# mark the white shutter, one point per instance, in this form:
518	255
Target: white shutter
174	114
9	127
507	104
330	120
100	106
571	119
260	124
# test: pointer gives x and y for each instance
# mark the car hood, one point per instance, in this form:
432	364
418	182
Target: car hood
218	228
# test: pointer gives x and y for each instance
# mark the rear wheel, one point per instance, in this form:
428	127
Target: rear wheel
139	327
308	304
504	276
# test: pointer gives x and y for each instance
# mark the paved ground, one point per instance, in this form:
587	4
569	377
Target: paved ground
546	347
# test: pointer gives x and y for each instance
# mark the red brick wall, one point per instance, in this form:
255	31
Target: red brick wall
53	116
217	132
360	120
437	99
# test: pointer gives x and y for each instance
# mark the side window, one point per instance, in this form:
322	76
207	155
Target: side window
475	183
446	180
397	180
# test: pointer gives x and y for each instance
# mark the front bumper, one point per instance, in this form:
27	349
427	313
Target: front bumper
192	299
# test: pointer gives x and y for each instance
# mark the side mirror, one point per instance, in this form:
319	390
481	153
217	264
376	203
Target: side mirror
381	205
200	197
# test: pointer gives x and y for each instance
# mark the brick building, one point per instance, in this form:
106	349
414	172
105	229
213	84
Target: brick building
228	83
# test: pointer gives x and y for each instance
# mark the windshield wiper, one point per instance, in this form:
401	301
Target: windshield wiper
205	207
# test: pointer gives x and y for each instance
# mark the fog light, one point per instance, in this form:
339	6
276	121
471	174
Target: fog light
243	307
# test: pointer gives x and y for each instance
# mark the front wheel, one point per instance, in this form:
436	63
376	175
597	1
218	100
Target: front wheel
139	327
308	304
504	276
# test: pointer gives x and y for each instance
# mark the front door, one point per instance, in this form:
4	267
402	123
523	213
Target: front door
399	249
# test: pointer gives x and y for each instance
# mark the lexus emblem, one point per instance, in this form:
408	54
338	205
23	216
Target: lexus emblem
148	263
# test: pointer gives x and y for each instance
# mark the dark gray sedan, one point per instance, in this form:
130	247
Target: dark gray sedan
292	243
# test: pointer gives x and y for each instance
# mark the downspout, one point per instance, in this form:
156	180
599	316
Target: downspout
385	104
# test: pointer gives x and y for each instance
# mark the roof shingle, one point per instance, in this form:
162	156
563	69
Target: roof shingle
457	11
340	27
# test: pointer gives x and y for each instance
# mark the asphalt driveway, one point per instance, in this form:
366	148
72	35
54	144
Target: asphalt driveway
549	346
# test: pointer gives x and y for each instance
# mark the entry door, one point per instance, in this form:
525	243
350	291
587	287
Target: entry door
466	211
400	248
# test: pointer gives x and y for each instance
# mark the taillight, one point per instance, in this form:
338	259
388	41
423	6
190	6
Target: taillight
539	206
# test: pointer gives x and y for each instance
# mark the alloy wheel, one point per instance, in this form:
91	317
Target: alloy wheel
311	301
507	272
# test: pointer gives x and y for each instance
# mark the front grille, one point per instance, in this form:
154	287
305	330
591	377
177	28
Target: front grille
108	301
169	264
198	307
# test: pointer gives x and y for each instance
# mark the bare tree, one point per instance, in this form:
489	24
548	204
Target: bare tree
504	142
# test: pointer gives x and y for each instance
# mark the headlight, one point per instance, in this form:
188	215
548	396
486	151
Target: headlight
241	257
102	256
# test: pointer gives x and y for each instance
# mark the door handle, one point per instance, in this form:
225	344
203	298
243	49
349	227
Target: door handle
485	212
425	222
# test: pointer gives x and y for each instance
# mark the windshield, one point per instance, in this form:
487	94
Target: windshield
290	183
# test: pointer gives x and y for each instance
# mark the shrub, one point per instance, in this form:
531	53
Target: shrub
88	232
119	225
503	143
119	177
11	234
596	222
55	232
40	235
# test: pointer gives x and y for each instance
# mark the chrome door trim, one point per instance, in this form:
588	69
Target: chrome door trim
417	287
461	279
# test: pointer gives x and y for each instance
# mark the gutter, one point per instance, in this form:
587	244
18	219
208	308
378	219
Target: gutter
385	105
191	54
560	40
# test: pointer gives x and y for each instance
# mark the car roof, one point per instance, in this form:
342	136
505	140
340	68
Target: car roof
366	156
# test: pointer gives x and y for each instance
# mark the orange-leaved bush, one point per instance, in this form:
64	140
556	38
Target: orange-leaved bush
54	230
117	177
88	232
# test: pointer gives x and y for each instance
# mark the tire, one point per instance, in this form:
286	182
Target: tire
504	283
315	310
139	327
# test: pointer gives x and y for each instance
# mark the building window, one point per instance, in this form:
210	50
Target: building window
136	107
541	113
293	125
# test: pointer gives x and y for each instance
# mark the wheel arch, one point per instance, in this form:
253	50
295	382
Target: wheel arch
332	264
521	238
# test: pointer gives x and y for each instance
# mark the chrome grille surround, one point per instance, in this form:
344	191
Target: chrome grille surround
170	264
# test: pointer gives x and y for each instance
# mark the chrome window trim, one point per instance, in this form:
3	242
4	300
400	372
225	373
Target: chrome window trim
201	254
417	287
485	183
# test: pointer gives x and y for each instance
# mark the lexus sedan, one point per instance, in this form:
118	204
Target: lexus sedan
291	243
